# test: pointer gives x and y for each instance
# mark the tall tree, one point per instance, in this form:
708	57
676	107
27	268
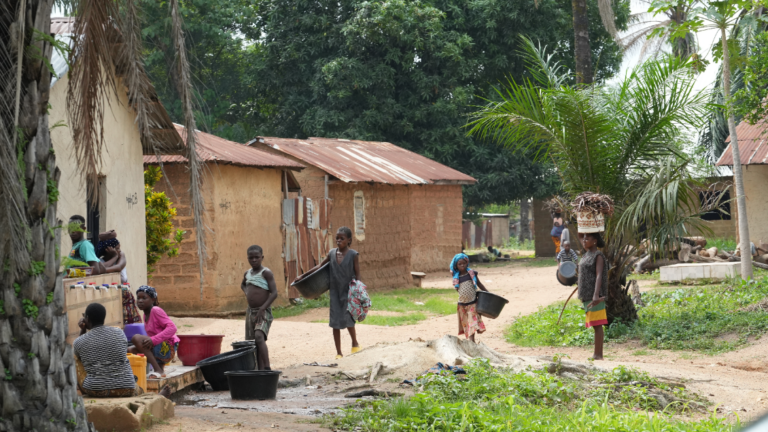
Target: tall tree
408	72
37	393
624	142
722	15
581	49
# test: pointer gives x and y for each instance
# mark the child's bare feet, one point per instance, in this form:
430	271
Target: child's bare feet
165	392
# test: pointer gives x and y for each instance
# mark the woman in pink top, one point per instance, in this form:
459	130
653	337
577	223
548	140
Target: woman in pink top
161	342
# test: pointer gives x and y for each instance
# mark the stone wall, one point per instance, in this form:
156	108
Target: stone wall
244	208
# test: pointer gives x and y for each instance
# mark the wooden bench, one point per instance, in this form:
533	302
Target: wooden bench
177	378
417	278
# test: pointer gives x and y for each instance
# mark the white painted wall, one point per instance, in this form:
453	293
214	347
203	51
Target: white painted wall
122	164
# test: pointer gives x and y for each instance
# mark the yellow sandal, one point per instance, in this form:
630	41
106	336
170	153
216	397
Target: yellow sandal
338	356
355	349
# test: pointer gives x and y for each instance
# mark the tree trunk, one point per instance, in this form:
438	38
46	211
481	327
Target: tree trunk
39	390
738	178
525	226
582	52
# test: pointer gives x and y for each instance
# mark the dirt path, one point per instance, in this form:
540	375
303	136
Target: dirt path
738	381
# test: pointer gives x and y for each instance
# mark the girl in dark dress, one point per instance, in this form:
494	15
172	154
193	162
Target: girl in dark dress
593	284
344	268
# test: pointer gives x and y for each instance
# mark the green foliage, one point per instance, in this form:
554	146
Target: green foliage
681	319
515	244
53	190
721	243
405	72
533	400
8	376
162	239
2	307
49	298
30	309
31	355
752	96
37	268
16	289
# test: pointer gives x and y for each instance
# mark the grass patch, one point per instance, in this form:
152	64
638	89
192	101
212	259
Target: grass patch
722	243
641	352
540	262
681	319
305	305
488	399
389	321
654	275
436	301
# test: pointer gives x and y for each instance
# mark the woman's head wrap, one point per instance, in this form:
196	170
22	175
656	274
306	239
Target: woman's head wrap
104	244
148	290
455	269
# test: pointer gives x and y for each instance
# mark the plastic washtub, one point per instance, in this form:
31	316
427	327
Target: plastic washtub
193	348
489	304
314	285
215	367
255	384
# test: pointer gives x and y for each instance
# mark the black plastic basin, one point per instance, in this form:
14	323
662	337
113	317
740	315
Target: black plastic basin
566	273
254	384
489	304
247	344
314	285
214	368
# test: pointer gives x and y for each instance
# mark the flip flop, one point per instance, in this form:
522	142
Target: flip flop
355	349
155	375
338	356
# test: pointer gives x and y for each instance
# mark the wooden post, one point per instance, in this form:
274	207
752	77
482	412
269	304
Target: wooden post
285	180
326	186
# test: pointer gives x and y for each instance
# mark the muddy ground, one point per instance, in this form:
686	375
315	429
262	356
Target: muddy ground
736	381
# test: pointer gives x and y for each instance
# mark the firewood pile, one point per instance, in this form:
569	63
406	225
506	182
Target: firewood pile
692	250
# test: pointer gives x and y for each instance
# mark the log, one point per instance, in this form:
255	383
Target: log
685	253
700	241
712	252
639	264
653	265
375	371
699	258
704	253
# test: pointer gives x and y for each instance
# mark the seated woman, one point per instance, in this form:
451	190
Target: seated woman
113	258
102	353
161	342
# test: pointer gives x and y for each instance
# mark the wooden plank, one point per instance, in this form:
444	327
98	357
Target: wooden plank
177	379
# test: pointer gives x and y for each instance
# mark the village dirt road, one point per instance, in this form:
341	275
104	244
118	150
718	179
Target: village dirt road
736	381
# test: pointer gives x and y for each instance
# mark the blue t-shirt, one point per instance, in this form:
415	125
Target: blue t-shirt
83	251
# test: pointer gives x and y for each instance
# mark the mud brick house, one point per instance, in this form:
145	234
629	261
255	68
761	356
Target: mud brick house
753	151
404	209
118	199
243	189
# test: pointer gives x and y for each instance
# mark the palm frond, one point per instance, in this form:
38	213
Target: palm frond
609	19
190	132
90	81
542	66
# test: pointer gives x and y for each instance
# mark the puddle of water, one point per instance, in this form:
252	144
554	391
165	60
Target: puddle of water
297	400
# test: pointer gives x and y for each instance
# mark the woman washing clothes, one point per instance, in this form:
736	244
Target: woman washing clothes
161	342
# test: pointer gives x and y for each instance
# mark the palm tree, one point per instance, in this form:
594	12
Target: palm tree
648	32
38	392
623	141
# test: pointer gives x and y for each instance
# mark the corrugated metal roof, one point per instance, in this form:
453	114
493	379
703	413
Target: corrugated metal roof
214	149
753	145
366	161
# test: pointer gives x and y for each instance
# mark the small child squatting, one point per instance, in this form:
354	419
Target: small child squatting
260	291
344	268
466	282
567	254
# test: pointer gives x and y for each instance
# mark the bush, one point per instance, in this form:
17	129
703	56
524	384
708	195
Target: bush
162	240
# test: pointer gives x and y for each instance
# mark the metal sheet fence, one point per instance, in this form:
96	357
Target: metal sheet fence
307	236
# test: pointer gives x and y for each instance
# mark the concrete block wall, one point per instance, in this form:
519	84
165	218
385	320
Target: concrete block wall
435	226
243	208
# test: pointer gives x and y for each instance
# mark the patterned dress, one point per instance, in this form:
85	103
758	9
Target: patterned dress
470	322
596	315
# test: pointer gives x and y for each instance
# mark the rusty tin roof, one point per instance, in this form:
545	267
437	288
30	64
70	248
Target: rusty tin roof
214	149
366	161
753	145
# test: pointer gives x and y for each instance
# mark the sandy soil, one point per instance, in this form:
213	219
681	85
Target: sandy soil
736	381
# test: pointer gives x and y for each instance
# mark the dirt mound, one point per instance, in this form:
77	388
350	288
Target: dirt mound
410	359
761	306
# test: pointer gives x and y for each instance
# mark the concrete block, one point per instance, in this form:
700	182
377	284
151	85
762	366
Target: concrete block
127	414
678	272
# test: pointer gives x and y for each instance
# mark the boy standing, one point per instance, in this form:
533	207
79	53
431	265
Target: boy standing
567	254
260	291
82	249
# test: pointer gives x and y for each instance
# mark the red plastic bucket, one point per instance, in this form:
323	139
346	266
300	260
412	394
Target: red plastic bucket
193	348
